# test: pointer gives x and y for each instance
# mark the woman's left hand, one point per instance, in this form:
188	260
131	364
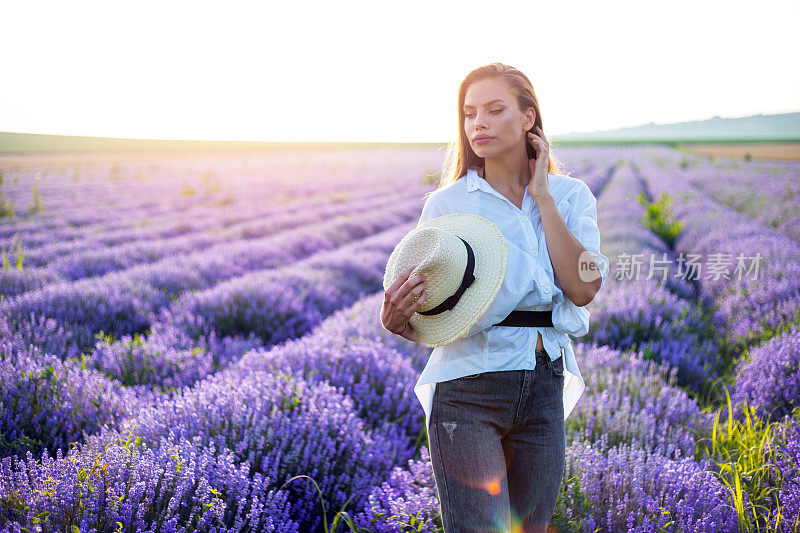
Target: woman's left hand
539	186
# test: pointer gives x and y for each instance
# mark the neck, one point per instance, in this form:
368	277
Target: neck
506	175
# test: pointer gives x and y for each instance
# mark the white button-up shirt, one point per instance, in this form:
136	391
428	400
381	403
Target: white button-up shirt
529	283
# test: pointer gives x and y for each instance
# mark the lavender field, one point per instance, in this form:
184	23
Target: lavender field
195	345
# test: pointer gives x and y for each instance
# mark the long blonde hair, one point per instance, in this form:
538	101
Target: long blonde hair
460	156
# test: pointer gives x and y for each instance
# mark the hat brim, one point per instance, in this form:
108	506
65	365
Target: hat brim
491	258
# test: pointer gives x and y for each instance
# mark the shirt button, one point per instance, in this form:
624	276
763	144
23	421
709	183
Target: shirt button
524	219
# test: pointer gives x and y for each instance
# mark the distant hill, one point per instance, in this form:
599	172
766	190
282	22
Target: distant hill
778	127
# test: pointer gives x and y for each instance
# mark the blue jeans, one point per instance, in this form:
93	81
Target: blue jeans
497	448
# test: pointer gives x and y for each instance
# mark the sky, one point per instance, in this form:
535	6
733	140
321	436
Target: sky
383	71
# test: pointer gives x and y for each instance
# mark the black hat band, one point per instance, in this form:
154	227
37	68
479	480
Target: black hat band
466	281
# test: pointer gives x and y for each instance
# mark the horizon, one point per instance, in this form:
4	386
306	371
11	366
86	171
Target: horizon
374	141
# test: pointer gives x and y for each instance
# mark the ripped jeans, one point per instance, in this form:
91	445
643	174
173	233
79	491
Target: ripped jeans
497	448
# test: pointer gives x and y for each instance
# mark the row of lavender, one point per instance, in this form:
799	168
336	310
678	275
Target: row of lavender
767	192
696	337
240	219
234	221
150	207
362	262
662	317
760	315
214	454
74	210
123	302
48	403
759	311
88	260
636	436
51	396
668	327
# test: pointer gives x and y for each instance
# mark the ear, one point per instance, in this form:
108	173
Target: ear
530	118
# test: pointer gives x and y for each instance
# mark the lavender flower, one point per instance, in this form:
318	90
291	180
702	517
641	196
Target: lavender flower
630	399
629	489
776	363
407	499
279	426
48	403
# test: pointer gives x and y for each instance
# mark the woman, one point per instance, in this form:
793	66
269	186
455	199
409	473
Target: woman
496	437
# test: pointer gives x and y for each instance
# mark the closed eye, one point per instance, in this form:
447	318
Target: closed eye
495	112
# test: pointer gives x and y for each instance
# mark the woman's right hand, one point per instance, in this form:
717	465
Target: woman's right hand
400	301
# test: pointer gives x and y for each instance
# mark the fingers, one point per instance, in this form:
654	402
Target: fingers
399	311
404	296
540	146
400	280
537	137
403	284
414	299
536	140
408	293
409	305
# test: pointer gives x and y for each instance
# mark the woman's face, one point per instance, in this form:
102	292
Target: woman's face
491	110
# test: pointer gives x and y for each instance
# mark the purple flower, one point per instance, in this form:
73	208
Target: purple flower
629	489
769	379
407	498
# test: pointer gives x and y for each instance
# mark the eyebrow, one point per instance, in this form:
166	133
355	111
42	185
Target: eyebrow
487	104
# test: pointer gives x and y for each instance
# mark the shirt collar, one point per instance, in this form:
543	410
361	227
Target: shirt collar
475	183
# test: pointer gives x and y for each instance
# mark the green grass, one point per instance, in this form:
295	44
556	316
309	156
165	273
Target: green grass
744	453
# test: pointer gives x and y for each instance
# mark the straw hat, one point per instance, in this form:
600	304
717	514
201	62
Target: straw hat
446	250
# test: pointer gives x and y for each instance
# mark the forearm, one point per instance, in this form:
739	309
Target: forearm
565	254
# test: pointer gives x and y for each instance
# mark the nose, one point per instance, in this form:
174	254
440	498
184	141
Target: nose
479	123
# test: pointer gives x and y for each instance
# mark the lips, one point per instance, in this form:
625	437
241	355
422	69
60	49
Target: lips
479	137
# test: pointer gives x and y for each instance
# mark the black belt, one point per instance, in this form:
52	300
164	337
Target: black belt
524	318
